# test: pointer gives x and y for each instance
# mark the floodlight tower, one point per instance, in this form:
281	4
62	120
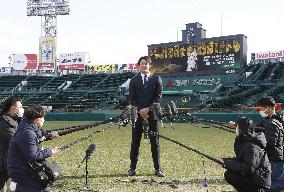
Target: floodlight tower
48	10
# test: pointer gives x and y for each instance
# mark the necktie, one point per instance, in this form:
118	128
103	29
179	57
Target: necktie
145	81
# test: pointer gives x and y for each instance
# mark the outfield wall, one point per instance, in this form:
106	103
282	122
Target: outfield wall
103	115
81	116
226	117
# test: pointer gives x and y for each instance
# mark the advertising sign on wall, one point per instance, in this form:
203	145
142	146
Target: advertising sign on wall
24	62
75	60
47	53
112	68
6	70
269	55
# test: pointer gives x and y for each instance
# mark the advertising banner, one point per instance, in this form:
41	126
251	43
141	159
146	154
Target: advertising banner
72	60
113	68
6	70
269	55
47	53
103	68
24	62
133	67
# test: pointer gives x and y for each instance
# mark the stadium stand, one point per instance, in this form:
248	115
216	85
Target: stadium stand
89	81
7	83
59	82
253	82
75	92
70	92
34	83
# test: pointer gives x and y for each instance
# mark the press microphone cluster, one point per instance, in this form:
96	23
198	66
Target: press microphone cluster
145	125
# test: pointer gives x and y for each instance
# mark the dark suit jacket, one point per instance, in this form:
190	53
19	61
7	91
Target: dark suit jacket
141	97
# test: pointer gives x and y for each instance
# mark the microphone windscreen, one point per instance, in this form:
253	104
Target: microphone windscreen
91	149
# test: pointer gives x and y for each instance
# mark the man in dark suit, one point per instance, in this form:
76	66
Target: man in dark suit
144	90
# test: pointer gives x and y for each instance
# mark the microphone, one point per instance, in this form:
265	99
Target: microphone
125	113
124	117
145	125
133	115
90	149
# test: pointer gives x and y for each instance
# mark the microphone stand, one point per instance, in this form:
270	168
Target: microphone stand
86	173
87	186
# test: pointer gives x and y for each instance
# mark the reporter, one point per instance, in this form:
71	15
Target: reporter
250	170
10	117
25	148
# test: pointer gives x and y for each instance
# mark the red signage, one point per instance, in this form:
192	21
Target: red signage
73	66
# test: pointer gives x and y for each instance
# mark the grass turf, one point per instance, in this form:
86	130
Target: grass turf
110	160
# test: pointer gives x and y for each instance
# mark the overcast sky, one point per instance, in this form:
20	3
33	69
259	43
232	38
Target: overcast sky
118	31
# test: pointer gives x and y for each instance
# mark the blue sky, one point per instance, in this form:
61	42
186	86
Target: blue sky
118	31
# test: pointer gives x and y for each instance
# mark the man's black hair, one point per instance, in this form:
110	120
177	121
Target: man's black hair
244	124
34	111
8	103
266	102
148	59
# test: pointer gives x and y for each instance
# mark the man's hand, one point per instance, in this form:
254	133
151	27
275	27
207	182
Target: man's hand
54	134
55	151
231	124
144	113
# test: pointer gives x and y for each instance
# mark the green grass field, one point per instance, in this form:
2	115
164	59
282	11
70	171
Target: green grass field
110	161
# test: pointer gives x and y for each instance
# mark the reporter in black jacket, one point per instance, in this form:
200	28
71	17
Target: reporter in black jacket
273	130
10	116
25	147
250	170
144	90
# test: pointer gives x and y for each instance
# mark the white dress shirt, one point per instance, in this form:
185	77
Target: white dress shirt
143	75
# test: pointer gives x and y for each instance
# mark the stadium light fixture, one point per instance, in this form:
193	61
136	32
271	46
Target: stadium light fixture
48	10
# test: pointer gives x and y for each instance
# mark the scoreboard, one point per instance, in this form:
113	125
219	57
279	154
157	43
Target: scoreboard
219	55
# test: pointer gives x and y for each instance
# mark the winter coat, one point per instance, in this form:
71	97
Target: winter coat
8	127
273	130
251	159
25	147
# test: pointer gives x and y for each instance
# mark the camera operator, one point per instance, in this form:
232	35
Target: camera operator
25	148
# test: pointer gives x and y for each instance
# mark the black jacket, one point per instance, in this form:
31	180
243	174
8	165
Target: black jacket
251	159
25	147
273	130
141	97
8	127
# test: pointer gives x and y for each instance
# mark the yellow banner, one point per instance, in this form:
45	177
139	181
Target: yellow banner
103	68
